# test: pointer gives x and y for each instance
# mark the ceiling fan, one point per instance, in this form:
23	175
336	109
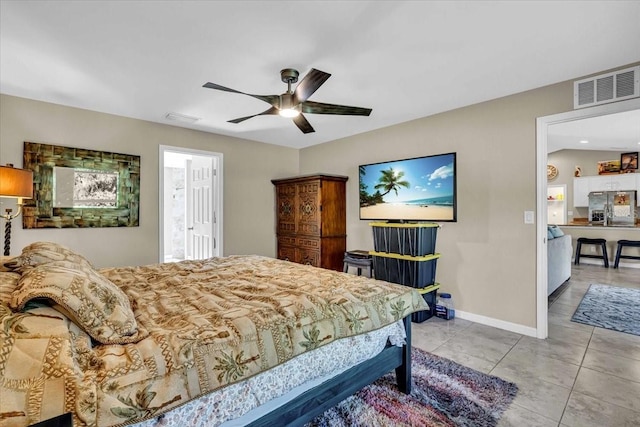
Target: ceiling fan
294	103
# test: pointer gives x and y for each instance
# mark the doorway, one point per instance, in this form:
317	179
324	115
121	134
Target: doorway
190	204
542	128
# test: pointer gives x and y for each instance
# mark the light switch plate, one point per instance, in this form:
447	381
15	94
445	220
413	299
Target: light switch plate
529	217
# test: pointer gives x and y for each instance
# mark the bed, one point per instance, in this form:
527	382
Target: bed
238	340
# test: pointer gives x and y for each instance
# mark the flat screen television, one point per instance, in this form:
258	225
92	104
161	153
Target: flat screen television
408	190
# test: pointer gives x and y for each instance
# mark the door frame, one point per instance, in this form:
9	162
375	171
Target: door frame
217	198
542	125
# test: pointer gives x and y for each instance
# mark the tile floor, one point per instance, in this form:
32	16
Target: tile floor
579	376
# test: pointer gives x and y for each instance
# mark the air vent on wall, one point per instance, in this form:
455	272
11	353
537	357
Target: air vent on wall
610	87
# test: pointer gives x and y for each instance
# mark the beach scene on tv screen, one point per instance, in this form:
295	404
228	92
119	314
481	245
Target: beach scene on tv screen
420	189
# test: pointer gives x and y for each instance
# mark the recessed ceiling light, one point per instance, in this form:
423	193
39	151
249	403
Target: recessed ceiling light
181	118
584	141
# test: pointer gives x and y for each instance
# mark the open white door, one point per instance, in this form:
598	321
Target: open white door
190	204
200	209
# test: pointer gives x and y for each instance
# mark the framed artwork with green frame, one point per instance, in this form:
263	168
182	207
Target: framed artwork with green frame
81	188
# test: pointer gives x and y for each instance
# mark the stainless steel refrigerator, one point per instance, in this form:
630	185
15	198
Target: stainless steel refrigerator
612	208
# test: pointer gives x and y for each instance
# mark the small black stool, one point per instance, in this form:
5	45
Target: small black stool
601	242
358	261
622	244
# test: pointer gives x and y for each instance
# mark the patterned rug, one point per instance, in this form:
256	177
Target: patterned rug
444	394
610	307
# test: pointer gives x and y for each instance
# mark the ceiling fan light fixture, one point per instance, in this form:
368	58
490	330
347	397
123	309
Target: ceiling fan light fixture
289	112
288	108
293	103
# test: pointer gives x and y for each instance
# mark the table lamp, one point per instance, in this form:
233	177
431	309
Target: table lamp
18	184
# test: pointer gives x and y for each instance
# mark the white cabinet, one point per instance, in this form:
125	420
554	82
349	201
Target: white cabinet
583	185
581	191
623	181
556	204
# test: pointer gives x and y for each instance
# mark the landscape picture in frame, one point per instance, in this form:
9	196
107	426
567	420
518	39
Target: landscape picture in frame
608	166
81	188
629	162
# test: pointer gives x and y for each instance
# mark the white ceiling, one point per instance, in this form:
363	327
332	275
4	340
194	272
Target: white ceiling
403	59
612	132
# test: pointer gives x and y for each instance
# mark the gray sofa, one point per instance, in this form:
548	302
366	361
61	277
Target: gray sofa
559	253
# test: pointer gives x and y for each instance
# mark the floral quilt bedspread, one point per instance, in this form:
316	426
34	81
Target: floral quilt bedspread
211	323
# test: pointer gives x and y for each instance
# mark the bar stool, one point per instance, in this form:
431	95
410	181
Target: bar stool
622	244
359	263
601	242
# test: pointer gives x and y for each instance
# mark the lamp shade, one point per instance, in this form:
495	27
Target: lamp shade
16	182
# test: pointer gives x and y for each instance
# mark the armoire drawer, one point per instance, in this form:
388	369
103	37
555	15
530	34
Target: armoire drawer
308	243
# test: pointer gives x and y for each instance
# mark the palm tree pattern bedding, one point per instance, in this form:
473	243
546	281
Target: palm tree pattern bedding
208	324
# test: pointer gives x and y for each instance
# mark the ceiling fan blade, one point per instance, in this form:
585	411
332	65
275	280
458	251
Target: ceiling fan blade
303	124
269	99
321	108
309	84
270	111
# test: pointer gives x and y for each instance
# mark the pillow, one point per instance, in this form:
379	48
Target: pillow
549	233
555	230
39	253
93	302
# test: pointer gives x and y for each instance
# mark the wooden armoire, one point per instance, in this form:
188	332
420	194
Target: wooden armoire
312	220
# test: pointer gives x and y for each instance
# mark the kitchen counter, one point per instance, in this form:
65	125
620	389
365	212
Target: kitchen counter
611	234
577	225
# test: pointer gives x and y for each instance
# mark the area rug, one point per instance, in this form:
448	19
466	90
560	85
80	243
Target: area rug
610	307
444	394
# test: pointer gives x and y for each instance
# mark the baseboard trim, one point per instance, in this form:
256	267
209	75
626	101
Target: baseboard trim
496	323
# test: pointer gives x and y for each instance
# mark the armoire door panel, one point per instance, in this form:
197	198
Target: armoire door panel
311	220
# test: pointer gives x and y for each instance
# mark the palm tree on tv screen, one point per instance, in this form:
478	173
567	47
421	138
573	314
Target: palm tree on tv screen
391	181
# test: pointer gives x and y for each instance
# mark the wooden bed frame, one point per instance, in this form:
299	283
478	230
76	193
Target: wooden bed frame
315	401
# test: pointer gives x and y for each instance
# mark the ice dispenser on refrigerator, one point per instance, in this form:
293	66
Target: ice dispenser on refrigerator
612	208
597	207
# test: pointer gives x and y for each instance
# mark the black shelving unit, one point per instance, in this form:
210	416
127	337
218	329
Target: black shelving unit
405	254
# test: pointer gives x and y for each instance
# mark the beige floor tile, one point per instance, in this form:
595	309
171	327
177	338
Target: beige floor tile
608	388
493	334
559	350
562	319
587	411
517	416
530	366
625	345
424	340
465	359
536	395
476	346
562	308
571	335
608	363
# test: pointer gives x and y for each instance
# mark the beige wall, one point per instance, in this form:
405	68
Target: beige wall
488	257
248	168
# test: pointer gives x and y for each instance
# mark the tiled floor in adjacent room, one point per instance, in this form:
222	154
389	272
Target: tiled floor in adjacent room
580	376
